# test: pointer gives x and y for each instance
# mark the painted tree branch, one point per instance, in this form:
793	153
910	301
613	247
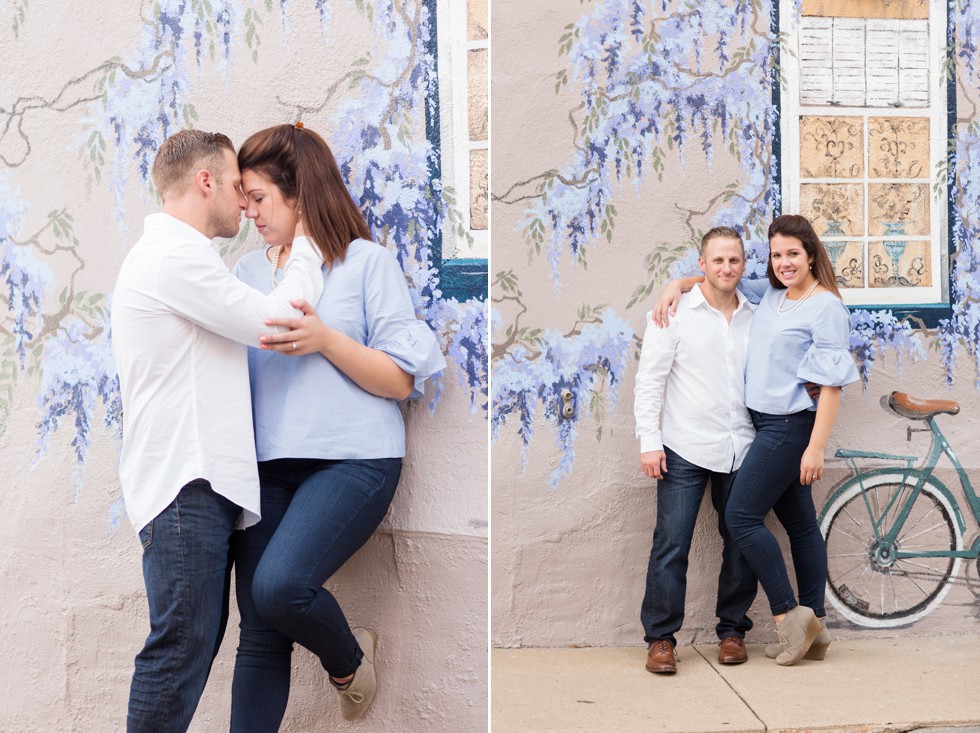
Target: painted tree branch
66	100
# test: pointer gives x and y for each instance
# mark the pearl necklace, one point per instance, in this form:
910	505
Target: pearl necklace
277	250
796	304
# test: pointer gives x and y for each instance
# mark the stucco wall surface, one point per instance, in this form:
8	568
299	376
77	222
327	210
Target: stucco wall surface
87	92
639	126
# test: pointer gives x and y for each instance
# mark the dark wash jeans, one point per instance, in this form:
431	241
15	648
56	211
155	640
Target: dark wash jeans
679	496
186	569
769	478
315	514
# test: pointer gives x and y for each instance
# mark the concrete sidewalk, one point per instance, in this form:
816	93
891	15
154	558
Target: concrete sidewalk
871	686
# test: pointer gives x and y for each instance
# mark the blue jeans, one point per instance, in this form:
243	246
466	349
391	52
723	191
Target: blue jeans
186	569
679	495
315	514
769	478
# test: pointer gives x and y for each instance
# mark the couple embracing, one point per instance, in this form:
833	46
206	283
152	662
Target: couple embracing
723	394
262	430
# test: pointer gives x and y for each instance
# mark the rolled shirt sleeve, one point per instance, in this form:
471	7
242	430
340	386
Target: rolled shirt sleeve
393	326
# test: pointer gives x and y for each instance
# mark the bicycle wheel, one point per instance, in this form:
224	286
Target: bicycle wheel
866	582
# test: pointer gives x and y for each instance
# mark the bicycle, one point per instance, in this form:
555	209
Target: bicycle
894	535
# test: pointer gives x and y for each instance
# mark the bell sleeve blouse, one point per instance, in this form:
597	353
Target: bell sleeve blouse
303	406
805	343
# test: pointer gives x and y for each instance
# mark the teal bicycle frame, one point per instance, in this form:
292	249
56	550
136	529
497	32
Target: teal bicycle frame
915	478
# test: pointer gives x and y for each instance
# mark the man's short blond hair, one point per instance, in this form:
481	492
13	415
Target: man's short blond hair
185	152
721	233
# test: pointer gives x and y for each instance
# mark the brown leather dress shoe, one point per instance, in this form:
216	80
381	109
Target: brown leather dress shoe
661	657
732	650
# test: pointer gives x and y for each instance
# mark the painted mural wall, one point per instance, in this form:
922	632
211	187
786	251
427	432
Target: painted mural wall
87	93
645	124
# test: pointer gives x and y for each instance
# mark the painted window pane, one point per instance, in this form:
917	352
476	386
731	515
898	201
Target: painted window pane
479	189
463	131
867	8
478	20
857	62
831	147
898	147
864	129
478	93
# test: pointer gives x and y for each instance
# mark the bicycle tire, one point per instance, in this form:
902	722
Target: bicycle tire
867	591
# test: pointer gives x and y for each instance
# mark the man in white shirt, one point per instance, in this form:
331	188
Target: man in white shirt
694	427
180	325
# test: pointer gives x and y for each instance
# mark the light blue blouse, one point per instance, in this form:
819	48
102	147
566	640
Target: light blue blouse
807	344
303	406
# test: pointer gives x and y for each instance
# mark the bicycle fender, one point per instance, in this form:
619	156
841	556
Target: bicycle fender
928	478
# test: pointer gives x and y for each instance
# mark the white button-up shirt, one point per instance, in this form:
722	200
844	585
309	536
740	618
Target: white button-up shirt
692	376
180	323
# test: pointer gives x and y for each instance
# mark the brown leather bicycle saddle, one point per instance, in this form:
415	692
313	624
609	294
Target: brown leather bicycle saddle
915	409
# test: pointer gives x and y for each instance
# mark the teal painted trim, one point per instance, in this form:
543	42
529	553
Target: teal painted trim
848	453
464	279
967	554
461	279
929	313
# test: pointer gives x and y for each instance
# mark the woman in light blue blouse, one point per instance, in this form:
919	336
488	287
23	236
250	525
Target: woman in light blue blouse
328	428
799	334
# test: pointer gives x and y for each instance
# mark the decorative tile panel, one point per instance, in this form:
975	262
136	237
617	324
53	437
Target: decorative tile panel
898	147
898	208
479	184
477	20
831	147
479	96
847	259
868	8
900	264
834	209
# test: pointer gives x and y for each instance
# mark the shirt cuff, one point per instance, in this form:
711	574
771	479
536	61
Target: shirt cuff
651	442
303	246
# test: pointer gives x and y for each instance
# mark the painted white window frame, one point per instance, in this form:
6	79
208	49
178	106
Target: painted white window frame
454	48
790	112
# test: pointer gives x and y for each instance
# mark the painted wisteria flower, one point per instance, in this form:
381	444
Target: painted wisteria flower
653	77
587	364
875	333
146	94
389	172
26	279
79	379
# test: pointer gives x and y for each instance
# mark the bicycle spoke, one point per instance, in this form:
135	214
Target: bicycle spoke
894	597
930	568
920	519
856	539
863	564
928	529
856	522
921	589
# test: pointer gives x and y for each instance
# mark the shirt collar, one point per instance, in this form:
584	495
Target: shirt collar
698	299
172	225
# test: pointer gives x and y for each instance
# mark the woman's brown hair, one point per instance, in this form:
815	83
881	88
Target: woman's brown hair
794	225
300	164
